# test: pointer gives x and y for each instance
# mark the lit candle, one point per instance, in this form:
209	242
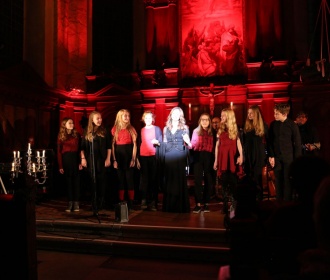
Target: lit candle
13	166
190	111
33	167
14	154
38	154
43	153
29	146
231	105
18	154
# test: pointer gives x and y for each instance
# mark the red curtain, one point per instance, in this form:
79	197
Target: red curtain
149	28
172	24
263	27
161	32
161	27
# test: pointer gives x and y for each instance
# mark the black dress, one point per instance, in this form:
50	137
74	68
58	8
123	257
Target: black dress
176	197
254	148
96	154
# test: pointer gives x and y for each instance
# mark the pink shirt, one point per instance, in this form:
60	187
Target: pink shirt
147	148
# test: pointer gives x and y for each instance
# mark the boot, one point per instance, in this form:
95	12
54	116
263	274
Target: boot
130	206
75	206
69	207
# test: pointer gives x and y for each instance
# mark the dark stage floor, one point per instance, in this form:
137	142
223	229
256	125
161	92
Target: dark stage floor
58	264
69	266
54	209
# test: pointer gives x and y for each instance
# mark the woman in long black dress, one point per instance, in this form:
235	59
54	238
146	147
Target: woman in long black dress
176	145
255	137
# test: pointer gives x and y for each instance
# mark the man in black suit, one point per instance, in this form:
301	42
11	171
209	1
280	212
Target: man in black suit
284	146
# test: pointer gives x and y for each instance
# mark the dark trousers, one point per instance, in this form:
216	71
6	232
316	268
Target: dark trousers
124	171
282	181
148	185
203	169
72	175
126	178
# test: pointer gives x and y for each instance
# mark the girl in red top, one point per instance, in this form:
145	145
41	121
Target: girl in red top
124	154
202	144
68	157
226	149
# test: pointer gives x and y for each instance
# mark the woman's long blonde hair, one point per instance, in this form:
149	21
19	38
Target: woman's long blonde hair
93	129
119	125
63	132
182	120
257	123
230	125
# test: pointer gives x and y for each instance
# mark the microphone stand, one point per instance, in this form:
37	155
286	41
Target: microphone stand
93	175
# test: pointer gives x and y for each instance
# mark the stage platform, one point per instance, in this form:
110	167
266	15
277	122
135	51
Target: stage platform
161	235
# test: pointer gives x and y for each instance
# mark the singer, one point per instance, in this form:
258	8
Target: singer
124	152
95	156
175	146
68	151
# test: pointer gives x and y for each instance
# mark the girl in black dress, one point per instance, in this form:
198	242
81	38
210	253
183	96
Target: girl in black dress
254	139
95	155
176	144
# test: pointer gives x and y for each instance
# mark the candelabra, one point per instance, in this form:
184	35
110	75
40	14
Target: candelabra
35	164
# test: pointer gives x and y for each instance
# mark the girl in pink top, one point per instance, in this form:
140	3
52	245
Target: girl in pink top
150	139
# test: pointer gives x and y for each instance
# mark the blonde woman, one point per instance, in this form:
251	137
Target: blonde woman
254	139
176	142
124	151
227	148
95	156
68	151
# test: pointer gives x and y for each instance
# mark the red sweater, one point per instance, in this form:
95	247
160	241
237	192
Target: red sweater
69	145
